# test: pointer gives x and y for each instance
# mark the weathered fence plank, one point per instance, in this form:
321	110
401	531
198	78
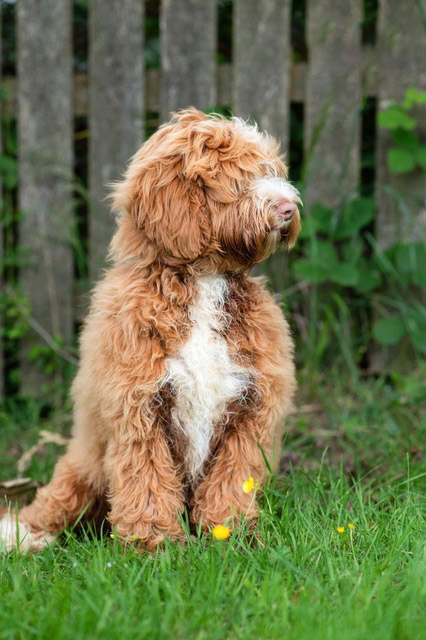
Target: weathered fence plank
116	109
188	47
262	57
333	99
401	199
224	93
45	166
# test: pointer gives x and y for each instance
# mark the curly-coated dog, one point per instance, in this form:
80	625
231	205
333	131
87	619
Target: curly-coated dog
186	371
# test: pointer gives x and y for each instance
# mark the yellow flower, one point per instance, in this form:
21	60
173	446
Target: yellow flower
111	535
340	529
220	532
351	526
249	485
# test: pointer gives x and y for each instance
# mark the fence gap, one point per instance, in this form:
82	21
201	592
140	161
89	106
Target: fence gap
116	109
188	49
8	54
294	156
224	32
262	73
81	212
369	22
401	48
81	140
298	30
80	35
152	34
45	168
152	66
10	247
333	97
2	274
368	146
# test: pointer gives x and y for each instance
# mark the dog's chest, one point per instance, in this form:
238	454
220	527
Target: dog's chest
204	376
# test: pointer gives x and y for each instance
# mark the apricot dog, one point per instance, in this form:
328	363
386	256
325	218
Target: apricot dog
186	371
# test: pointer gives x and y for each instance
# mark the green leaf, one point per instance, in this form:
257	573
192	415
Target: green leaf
324	254
417	336
402	257
309	227
408	140
8	171
410	260
409	257
353	251
413	96
310	271
400	160
418	277
389	330
356	215
369	279
345	274
395	117
318	219
421	156
322	216
416	325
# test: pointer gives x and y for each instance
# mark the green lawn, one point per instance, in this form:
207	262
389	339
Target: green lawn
353	454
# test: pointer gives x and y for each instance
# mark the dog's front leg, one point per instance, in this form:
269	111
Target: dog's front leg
146	491
220	498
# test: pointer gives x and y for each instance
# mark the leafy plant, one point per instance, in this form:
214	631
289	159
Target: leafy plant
325	230
407	153
347	275
350	290
404	272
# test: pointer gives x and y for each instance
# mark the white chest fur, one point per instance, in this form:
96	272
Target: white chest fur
203	375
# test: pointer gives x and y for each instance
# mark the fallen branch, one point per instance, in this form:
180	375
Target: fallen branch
46	437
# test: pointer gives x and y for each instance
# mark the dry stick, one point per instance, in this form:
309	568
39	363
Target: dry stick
46	437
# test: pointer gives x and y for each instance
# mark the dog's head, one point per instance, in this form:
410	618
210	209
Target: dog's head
207	191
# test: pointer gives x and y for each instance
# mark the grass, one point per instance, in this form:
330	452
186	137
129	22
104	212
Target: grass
352	455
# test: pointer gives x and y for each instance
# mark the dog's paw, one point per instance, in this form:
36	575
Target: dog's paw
14	534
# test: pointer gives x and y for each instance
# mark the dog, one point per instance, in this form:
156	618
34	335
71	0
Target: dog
186	372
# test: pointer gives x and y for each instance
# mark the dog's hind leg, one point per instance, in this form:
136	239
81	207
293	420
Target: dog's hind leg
59	504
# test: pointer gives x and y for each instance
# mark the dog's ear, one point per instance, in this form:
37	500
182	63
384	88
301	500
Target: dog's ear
165	207
163	191
172	211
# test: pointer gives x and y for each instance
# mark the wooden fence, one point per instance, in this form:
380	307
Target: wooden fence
261	83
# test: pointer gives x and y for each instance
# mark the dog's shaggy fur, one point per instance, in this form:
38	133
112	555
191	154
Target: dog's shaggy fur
186	370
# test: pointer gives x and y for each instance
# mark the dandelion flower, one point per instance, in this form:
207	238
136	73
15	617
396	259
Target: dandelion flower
220	532
351	526
340	529
249	485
